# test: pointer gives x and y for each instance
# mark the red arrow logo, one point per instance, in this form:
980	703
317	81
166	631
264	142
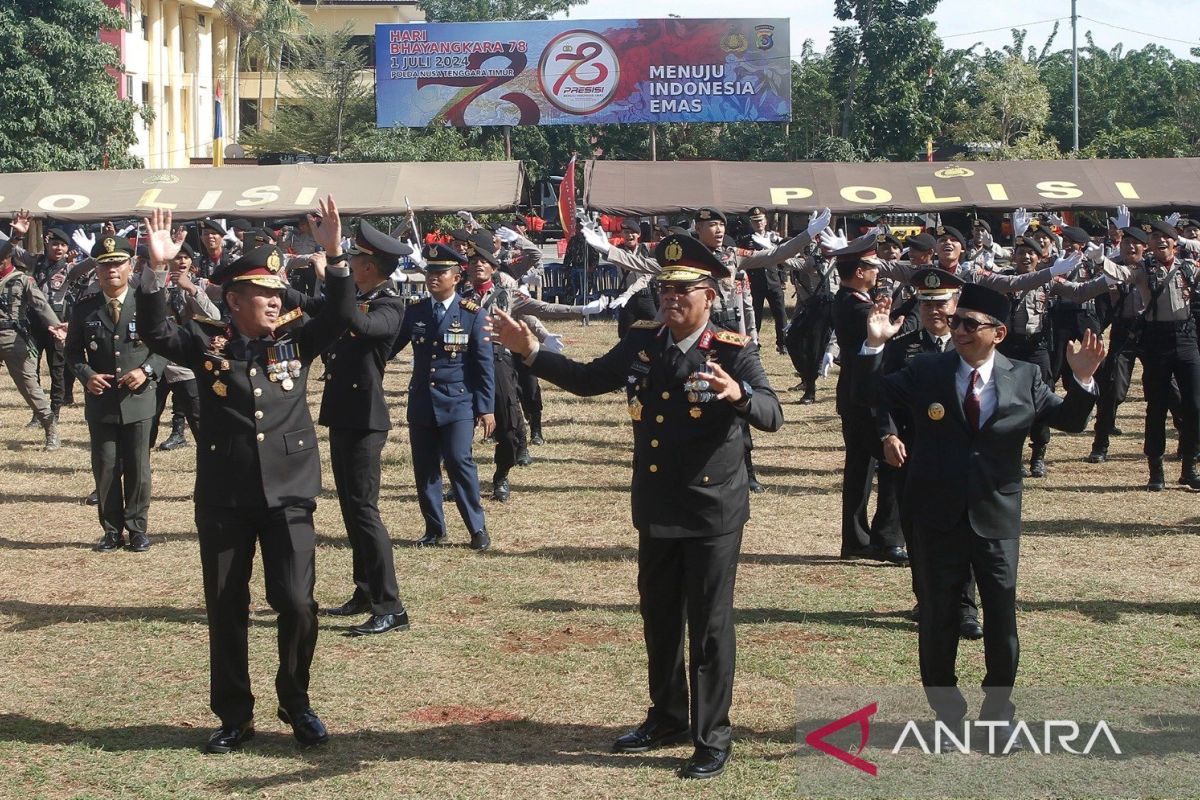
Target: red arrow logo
863	718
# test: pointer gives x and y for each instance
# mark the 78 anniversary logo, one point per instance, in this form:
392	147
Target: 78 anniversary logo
579	72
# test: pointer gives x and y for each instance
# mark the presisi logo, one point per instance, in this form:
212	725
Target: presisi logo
579	72
863	718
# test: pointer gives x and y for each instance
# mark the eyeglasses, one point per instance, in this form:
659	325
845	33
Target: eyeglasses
667	289
970	324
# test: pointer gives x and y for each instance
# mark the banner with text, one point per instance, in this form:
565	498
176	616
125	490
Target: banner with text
572	72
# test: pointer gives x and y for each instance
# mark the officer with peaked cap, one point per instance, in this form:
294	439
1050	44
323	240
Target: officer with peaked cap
106	350
450	346
881	538
971	410
355	410
689	386
258	470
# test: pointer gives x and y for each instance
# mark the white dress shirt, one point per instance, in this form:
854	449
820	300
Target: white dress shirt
985	387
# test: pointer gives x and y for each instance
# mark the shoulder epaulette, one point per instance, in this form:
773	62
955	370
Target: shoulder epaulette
730	337
469	304
203	320
289	317
645	324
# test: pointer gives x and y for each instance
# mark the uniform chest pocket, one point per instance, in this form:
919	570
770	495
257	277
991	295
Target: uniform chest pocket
299	441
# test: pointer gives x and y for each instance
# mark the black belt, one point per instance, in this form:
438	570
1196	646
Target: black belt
1030	339
9	325
1168	326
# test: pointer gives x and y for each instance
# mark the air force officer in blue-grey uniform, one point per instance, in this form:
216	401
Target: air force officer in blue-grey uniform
450	347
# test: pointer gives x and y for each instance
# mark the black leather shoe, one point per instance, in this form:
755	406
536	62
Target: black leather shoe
706	762
92	499
915	614
649	736
1097	456
893	555
1003	733
110	542
481	541
138	543
810	397
1116	431
756	487
226	740
523	457
970	629
535	437
1158	480
351	608
501	491
428	540
1189	476
381	623
1037	468
306	727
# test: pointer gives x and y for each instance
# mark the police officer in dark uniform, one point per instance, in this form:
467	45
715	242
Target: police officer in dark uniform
689	386
50	271
449	345
858	268
811	328
213	255
642	303
355	410
766	284
106	350
258	470
1069	318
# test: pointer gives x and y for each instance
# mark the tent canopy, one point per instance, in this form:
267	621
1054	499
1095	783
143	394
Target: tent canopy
639	188
265	191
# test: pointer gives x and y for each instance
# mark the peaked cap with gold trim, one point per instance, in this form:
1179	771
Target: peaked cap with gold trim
259	266
684	259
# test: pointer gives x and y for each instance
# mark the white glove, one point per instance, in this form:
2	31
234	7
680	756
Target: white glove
1173	219
84	242
1109	280
596	240
553	343
415	256
619	302
523	290
1094	252
985	240
507	235
1055	220
1122	219
1020	222
1066	265
826	363
531	279
818	222
467	219
833	241
596	306
762	241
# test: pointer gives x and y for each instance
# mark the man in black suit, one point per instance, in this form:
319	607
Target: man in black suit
858	268
258	470
971	411
107	352
690	387
354	409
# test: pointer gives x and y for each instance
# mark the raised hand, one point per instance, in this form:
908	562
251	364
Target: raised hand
1122	219
828	240
159	242
818	222
327	228
1086	356
20	222
1020	222
511	333
880	325
722	383
1066	265
1173	219
596	240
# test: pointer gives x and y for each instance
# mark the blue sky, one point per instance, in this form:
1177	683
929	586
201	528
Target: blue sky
960	22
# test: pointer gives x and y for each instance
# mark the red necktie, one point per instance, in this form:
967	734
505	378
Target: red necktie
971	403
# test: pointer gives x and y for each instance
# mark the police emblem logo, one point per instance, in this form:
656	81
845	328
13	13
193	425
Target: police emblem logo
734	43
764	36
941	231
274	262
674	251
936	411
1148	228
932	281
471	249
1034	225
110	244
705	214
881	239
695	413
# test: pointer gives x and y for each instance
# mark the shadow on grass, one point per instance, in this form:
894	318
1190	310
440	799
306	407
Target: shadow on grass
155	538
1084	527
628	553
1114	610
890	620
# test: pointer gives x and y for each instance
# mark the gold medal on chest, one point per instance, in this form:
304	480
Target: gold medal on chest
936	411
219	389
635	410
695	413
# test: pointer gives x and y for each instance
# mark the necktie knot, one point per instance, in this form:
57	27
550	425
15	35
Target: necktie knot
439	311
114	309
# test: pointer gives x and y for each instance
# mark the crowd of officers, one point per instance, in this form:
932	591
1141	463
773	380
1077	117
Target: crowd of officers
227	319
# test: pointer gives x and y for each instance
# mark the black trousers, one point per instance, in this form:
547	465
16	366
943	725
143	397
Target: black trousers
531	394
56	365
1034	350
762	290
355	456
1068	326
640	306
947	561
509	422
185	402
227	541
862	448
690	581
808	337
1113	381
121	469
1170	351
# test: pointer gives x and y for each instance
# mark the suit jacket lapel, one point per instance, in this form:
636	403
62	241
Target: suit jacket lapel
1002	375
950	361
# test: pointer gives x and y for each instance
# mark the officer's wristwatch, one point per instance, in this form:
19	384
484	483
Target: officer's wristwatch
149	370
747	393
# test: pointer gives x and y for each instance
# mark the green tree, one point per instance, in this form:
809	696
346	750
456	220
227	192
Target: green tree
492	10
1008	102
61	110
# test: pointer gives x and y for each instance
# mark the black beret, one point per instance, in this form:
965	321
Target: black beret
631	225
258	236
982	223
922	241
241	224
887	238
112	249
60	234
952	232
1028	241
685	259
185	249
988	301
1136	233
482	243
211	224
706	213
1076	235
460	234
1160	226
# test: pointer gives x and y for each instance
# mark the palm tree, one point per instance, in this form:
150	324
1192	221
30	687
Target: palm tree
243	16
282	20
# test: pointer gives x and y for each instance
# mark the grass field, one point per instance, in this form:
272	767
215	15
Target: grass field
523	663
